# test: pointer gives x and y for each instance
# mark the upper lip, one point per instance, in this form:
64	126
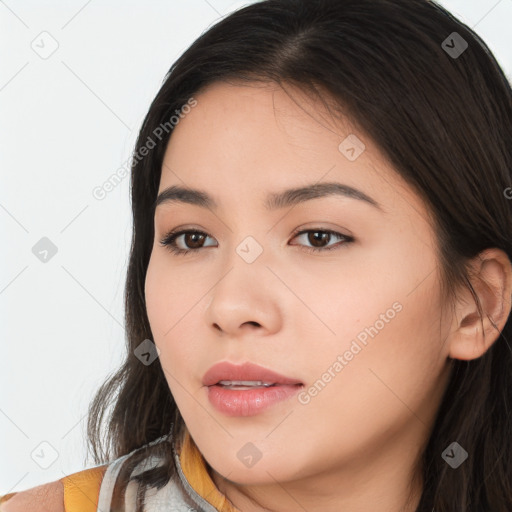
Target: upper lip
246	371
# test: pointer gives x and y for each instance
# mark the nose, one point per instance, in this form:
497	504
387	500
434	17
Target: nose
247	299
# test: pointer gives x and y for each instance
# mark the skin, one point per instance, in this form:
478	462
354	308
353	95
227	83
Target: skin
356	444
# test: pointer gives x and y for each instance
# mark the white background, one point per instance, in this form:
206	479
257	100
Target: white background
67	123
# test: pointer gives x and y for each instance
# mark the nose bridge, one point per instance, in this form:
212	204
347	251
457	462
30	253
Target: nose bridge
251	248
246	262
250	236
255	246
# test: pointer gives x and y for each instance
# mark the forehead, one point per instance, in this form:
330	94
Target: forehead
241	140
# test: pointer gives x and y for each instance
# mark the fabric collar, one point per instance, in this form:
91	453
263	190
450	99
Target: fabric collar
196	473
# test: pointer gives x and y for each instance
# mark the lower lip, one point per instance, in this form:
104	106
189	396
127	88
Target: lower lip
248	402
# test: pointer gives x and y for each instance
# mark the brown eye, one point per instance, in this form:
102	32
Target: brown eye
192	239
316	240
319	237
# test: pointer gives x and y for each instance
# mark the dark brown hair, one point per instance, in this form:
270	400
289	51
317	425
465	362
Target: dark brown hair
444	121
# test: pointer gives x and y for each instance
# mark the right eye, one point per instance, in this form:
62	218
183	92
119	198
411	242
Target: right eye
192	237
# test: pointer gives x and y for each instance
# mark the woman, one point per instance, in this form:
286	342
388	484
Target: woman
319	290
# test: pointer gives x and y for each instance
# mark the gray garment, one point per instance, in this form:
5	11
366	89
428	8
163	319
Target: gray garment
176	496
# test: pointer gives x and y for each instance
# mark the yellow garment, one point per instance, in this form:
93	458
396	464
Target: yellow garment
194	468
81	489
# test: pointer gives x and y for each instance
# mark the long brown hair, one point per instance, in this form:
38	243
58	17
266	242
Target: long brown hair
443	119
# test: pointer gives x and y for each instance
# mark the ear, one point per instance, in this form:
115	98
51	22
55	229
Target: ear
491	278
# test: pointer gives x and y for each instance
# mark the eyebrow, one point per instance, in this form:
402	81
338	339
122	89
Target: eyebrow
274	201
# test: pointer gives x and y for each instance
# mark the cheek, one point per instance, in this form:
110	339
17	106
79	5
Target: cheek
172	306
168	296
162	306
154	291
385	330
373	387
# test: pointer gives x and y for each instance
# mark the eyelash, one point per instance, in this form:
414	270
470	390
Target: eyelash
169	240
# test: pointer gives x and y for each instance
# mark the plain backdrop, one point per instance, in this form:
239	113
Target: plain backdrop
76	80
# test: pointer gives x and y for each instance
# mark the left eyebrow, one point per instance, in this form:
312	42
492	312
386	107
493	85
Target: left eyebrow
274	201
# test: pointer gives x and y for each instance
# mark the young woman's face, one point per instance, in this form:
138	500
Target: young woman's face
358	322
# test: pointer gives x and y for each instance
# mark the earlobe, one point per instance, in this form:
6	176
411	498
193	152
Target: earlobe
471	335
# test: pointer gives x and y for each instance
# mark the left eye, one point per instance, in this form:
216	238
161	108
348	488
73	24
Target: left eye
193	237
319	236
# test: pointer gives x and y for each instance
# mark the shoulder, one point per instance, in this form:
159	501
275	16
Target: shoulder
77	491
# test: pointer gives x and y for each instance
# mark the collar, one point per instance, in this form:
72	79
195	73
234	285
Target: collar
194	469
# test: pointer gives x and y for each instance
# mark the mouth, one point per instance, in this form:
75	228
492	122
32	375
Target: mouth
245	376
247	389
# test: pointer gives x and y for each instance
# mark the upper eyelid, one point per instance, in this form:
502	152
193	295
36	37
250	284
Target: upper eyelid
302	227
298	231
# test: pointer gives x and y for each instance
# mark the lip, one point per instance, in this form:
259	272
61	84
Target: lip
247	402
246	371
